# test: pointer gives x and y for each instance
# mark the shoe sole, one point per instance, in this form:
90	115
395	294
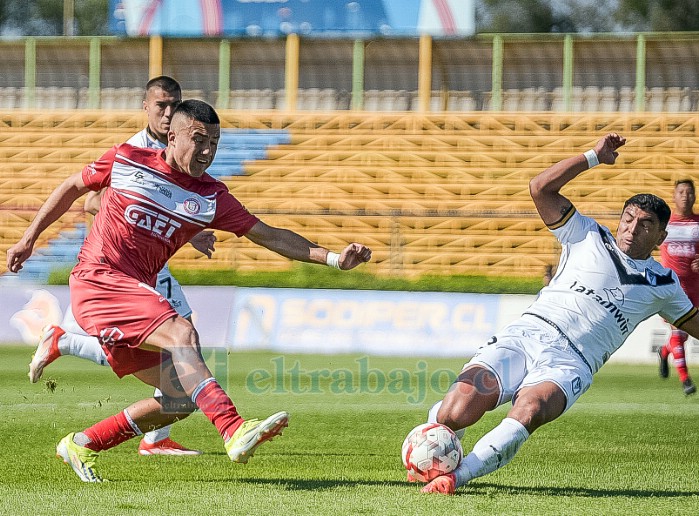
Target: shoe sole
169	451
62	453
277	421
38	363
35	371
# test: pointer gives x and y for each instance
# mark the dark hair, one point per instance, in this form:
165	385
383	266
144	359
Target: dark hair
652	204
197	110
165	83
685	181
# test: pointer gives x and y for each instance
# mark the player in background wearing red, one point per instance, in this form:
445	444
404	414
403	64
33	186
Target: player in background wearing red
680	252
162	95
155	201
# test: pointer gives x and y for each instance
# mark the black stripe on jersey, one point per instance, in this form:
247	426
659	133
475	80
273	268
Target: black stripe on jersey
565	218
679	322
626	278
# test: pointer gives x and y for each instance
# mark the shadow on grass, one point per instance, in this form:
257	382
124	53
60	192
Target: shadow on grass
486	488
483	489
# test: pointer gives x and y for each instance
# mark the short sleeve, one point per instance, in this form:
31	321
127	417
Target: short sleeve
574	228
232	216
98	174
679	307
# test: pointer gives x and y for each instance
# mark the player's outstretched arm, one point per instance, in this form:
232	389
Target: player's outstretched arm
294	246
545	187
56	205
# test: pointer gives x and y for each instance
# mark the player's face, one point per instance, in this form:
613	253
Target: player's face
192	145
639	233
684	197
159	106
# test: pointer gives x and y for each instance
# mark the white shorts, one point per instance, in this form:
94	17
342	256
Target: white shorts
529	352
170	288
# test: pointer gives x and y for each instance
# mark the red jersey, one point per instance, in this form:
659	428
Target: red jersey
150	210
681	247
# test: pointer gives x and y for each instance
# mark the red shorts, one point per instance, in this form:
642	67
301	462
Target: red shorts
121	312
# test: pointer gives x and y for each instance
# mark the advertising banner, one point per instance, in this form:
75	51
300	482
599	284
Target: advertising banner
374	322
274	18
420	324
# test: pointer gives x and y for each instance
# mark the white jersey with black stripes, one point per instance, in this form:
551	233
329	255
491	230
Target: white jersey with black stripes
599	294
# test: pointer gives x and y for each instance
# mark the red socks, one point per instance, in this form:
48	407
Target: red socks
675	347
218	407
209	397
109	432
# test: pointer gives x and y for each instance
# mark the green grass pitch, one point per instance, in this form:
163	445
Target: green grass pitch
629	446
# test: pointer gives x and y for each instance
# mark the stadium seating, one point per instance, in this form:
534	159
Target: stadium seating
591	99
431	194
238	146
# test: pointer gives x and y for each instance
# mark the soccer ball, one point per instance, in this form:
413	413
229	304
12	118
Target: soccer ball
430	450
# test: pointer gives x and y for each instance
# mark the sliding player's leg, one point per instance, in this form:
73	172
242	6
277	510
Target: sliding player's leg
541	379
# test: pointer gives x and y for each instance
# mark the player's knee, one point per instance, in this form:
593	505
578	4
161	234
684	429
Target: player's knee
183	338
455	413
534	412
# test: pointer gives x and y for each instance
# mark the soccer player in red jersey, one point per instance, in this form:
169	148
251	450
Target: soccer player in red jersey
162	95
680	252
155	201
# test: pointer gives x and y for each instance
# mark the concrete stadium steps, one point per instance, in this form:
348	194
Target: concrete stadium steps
44	139
470	124
429	193
270	171
13	223
73	120
517	142
410	245
466	159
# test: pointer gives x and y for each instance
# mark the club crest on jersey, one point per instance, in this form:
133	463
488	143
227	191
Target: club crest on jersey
576	385
151	220
615	294
652	277
191	206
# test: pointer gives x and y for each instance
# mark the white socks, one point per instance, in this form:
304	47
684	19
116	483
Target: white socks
158	435
88	347
83	346
492	451
132	423
432	418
